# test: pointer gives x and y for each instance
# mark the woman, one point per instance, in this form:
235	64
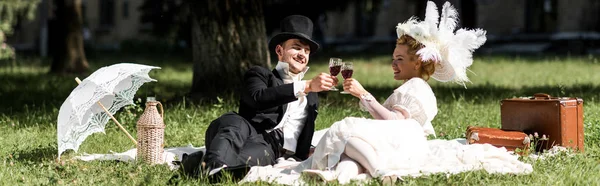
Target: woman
395	140
402	121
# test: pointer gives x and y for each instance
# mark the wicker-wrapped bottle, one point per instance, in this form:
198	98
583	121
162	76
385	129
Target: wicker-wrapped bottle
150	133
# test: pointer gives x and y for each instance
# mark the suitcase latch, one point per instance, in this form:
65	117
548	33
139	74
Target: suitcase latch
474	137
526	140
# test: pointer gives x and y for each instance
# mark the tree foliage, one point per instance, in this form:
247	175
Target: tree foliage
10	12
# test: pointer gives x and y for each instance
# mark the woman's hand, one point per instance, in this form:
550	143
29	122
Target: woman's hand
354	87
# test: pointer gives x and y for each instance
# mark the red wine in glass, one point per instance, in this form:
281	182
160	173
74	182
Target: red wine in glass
335	66
347	73
335	70
347	70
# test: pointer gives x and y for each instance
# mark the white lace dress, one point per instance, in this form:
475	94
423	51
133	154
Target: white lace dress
399	144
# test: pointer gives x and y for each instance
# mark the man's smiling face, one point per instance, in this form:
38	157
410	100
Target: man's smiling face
295	52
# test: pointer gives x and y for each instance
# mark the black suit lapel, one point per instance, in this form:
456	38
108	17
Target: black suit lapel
279	81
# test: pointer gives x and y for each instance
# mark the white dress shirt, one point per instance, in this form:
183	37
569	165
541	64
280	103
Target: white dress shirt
295	115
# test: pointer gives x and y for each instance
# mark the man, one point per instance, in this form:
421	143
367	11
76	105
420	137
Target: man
277	108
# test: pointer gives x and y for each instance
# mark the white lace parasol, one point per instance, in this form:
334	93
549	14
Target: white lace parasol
107	90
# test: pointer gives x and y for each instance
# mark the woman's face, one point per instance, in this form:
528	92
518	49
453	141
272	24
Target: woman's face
405	66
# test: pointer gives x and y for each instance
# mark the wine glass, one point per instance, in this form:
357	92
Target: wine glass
347	70
335	65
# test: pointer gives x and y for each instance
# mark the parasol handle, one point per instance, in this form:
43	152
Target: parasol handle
111	116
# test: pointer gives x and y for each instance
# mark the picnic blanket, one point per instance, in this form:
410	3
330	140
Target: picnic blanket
446	156
170	155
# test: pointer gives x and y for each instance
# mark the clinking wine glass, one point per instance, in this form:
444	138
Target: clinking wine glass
335	65
347	70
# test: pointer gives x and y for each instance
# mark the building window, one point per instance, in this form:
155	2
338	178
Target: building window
107	14
125	9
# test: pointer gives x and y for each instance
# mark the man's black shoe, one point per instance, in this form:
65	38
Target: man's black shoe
192	164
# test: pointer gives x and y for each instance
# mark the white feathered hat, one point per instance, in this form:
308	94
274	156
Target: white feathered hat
453	52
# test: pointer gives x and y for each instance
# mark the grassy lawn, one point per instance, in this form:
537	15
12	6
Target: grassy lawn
30	100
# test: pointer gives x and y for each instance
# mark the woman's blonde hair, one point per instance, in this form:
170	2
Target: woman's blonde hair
427	67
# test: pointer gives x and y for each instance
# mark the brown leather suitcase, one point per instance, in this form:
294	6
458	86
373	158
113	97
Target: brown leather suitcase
511	140
559	118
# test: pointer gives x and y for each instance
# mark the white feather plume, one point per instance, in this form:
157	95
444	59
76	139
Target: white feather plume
448	20
432	16
481	38
406	27
452	52
429	53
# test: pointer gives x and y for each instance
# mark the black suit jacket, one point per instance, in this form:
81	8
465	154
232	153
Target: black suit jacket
264	100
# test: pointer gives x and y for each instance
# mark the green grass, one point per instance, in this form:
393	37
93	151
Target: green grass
30	100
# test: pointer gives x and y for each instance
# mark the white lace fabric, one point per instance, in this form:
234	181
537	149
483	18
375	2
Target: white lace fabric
416	98
442	156
113	86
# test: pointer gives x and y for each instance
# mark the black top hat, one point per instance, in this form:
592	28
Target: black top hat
295	27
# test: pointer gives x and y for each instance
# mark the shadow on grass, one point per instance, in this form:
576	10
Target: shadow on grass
21	93
37	155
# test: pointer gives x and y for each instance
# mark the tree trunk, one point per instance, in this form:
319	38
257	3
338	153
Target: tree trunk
228	37
68	54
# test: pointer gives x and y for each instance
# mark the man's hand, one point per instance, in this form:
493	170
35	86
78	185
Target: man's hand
321	82
354	87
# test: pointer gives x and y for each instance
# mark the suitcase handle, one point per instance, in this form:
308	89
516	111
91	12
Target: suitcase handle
541	96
